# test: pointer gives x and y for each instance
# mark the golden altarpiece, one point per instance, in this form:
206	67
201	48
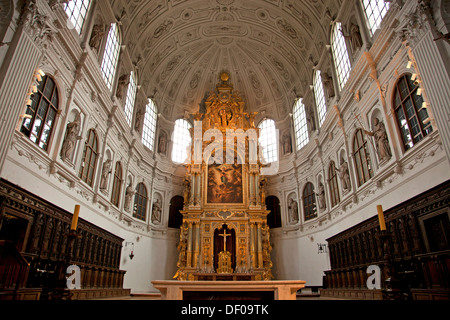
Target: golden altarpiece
224	229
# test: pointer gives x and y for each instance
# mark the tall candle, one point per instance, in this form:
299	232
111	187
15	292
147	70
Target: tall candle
381	218
75	217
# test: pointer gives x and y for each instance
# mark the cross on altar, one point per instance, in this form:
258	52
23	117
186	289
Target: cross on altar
224	235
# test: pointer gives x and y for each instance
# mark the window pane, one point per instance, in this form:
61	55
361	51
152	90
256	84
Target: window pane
268	140
300	127
76	11
111	55
340	55
181	141
131	96
375	10
320	97
149	128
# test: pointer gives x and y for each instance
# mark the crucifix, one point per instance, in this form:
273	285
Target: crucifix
224	235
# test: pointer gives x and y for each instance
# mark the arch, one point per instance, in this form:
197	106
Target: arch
274	216
111	55
300	124
319	95
268	140
175	216
341	55
411	113
181	140
140	202
230	243
363	165
333	184
90	157
117	184
309	202
41	112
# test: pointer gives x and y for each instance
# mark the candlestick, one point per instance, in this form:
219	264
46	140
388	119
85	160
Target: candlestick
75	217
381	218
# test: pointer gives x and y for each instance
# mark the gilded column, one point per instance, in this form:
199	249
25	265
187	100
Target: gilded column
252	192
259	244
196	244
189	247
253	245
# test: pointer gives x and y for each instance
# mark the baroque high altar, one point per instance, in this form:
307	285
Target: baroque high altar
224	229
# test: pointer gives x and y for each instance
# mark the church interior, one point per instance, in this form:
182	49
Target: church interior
257	144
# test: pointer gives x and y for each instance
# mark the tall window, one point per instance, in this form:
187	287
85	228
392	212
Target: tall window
300	127
117	184
333	183
149	129
412	117
140	202
90	156
320	97
268	140
340	55
181	141
362	158
309	201
38	126
77	10
131	97
274	216
111	55
374	10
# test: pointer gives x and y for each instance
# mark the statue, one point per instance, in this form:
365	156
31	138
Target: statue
262	190
381	140
98	31
287	145
129	192
321	196
328	84
106	170
138	119
121	84
162	143
187	190
344	175
293	210
156	212
355	37
71	138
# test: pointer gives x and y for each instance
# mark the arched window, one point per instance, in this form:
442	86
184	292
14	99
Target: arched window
77	11
362	158
374	11
117	184
412	117
90	156
309	202
268	140
333	183
274	216
340	55
140	202
181	141
149	129
175	217
320	97
111	55
131	97
38	125
300	127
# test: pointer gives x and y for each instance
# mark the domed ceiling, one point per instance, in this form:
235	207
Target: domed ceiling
268	47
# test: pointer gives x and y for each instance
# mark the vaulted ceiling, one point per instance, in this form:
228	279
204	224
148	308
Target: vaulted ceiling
268	47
